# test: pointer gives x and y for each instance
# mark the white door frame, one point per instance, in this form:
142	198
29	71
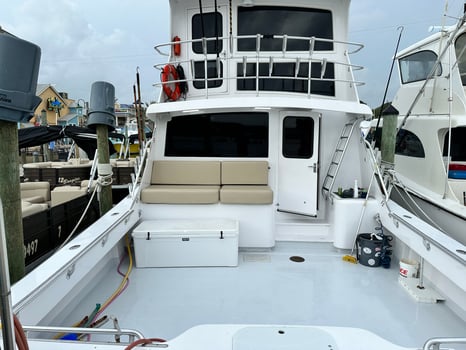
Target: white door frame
298	177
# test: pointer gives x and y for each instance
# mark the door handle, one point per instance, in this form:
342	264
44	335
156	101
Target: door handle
314	167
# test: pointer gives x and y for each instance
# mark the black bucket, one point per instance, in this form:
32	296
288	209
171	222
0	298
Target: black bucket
368	250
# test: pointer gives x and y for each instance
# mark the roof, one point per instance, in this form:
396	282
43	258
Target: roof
68	117
42	87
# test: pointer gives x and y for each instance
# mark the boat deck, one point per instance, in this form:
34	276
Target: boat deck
268	288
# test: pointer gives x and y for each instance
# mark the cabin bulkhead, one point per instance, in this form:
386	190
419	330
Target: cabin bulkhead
252	138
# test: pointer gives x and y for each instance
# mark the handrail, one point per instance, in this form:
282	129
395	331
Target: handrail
377	169
131	333
6	312
259	56
311	40
434	343
429	239
142	164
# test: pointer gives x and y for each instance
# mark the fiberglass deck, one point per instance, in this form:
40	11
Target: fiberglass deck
268	288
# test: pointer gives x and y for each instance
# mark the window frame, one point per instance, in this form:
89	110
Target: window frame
418	74
238	135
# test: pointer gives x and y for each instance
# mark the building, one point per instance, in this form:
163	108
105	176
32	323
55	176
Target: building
54	105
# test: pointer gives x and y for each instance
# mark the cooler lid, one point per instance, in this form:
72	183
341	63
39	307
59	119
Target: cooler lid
182	227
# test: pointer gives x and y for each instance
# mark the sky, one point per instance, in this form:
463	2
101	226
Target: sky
83	41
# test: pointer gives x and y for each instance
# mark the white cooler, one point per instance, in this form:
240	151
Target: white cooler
188	242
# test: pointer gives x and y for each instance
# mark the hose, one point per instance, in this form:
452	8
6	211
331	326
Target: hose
144	342
20	336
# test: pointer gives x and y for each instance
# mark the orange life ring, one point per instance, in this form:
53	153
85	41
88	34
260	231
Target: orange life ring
169	74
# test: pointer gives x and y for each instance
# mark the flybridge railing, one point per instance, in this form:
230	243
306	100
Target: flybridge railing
230	56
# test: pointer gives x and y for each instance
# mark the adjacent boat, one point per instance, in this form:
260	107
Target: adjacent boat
239	214
56	195
430	160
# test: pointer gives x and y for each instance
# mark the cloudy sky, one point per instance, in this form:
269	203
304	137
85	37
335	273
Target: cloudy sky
83	41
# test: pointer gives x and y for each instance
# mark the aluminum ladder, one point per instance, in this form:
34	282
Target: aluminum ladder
337	158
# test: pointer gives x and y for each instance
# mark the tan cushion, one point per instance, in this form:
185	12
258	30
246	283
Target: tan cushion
28	209
236	194
35	189
165	172
34	199
64	194
245	173
38	165
180	194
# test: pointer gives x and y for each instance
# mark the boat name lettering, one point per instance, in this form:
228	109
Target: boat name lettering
5	98
65	181
31	247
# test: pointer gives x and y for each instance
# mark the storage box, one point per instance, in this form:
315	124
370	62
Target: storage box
189	242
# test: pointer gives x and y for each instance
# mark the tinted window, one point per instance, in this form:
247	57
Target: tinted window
298	135
287	70
218	135
212	72
460	47
458	145
418	66
293	21
408	144
204	27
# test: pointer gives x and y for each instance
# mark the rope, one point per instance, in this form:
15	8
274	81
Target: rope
102	180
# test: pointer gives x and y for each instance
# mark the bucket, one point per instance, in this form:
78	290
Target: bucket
408	268
368	250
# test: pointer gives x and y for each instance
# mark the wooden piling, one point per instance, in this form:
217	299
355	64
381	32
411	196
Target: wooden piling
389	130
10	192
104	160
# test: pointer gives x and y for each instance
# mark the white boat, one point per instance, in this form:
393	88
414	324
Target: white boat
237	222
430	160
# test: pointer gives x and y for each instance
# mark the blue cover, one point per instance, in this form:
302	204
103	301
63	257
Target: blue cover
457	174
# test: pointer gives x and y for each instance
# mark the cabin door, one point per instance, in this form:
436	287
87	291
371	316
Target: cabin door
298	171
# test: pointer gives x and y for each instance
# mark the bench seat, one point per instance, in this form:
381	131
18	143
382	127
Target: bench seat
208	182
180	194
246	194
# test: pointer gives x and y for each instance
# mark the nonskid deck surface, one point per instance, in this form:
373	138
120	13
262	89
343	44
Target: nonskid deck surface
268	288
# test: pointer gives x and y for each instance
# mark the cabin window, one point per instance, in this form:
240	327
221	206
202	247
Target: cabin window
272	21
408	144
242	134
298	135
418	66
282	78
204	27
458	145
460	48
214	70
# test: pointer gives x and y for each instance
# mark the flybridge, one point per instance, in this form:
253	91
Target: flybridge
243	48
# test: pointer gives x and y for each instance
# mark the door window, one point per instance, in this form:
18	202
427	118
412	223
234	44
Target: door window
298	135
